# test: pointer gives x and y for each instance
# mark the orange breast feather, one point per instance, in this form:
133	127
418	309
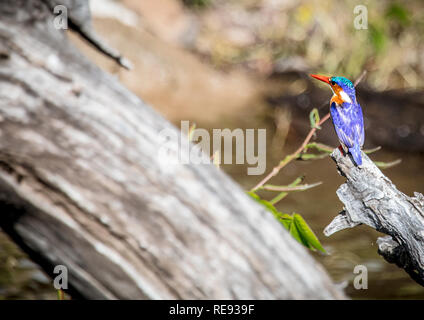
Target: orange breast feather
336	98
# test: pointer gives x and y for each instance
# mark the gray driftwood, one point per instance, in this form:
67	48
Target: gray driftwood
370	198
82	184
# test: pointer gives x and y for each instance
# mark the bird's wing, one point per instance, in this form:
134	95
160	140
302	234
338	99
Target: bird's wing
344	125
359	126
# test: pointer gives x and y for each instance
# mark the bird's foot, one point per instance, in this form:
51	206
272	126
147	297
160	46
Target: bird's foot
342	150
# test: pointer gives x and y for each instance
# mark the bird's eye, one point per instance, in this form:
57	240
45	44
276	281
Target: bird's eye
332	83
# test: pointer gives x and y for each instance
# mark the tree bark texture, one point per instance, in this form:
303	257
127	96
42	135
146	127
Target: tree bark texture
82	185
370	198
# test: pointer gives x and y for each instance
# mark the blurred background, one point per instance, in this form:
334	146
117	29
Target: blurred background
245	64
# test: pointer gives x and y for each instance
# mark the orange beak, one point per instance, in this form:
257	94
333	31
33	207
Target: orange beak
322	78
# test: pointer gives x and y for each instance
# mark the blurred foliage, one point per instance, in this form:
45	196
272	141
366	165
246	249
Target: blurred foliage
398	13
196	3
378	38
319	35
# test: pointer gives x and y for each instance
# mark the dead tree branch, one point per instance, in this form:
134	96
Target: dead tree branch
370	198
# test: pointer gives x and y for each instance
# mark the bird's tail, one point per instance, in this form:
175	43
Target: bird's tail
355	151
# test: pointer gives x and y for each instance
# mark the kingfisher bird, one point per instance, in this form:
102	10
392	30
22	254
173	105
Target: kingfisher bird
346	114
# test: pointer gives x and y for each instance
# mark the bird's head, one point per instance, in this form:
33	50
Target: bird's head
343	88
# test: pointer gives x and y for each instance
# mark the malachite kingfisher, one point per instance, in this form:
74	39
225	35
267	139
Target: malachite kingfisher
346	114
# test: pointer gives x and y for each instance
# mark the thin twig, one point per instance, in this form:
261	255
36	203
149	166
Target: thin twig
361	76
283	194
301	187
292	156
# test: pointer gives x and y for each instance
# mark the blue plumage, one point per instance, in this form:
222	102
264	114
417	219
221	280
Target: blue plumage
356	154
346	114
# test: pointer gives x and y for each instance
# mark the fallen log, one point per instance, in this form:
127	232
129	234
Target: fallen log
82	185
370	198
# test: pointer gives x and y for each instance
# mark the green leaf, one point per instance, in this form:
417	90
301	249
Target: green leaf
265	203
368	151
386	165
279	197
398	12
295	224
314	118
378	37
294	231
302	187
283	218
319	146
311	156
286	220
305	232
